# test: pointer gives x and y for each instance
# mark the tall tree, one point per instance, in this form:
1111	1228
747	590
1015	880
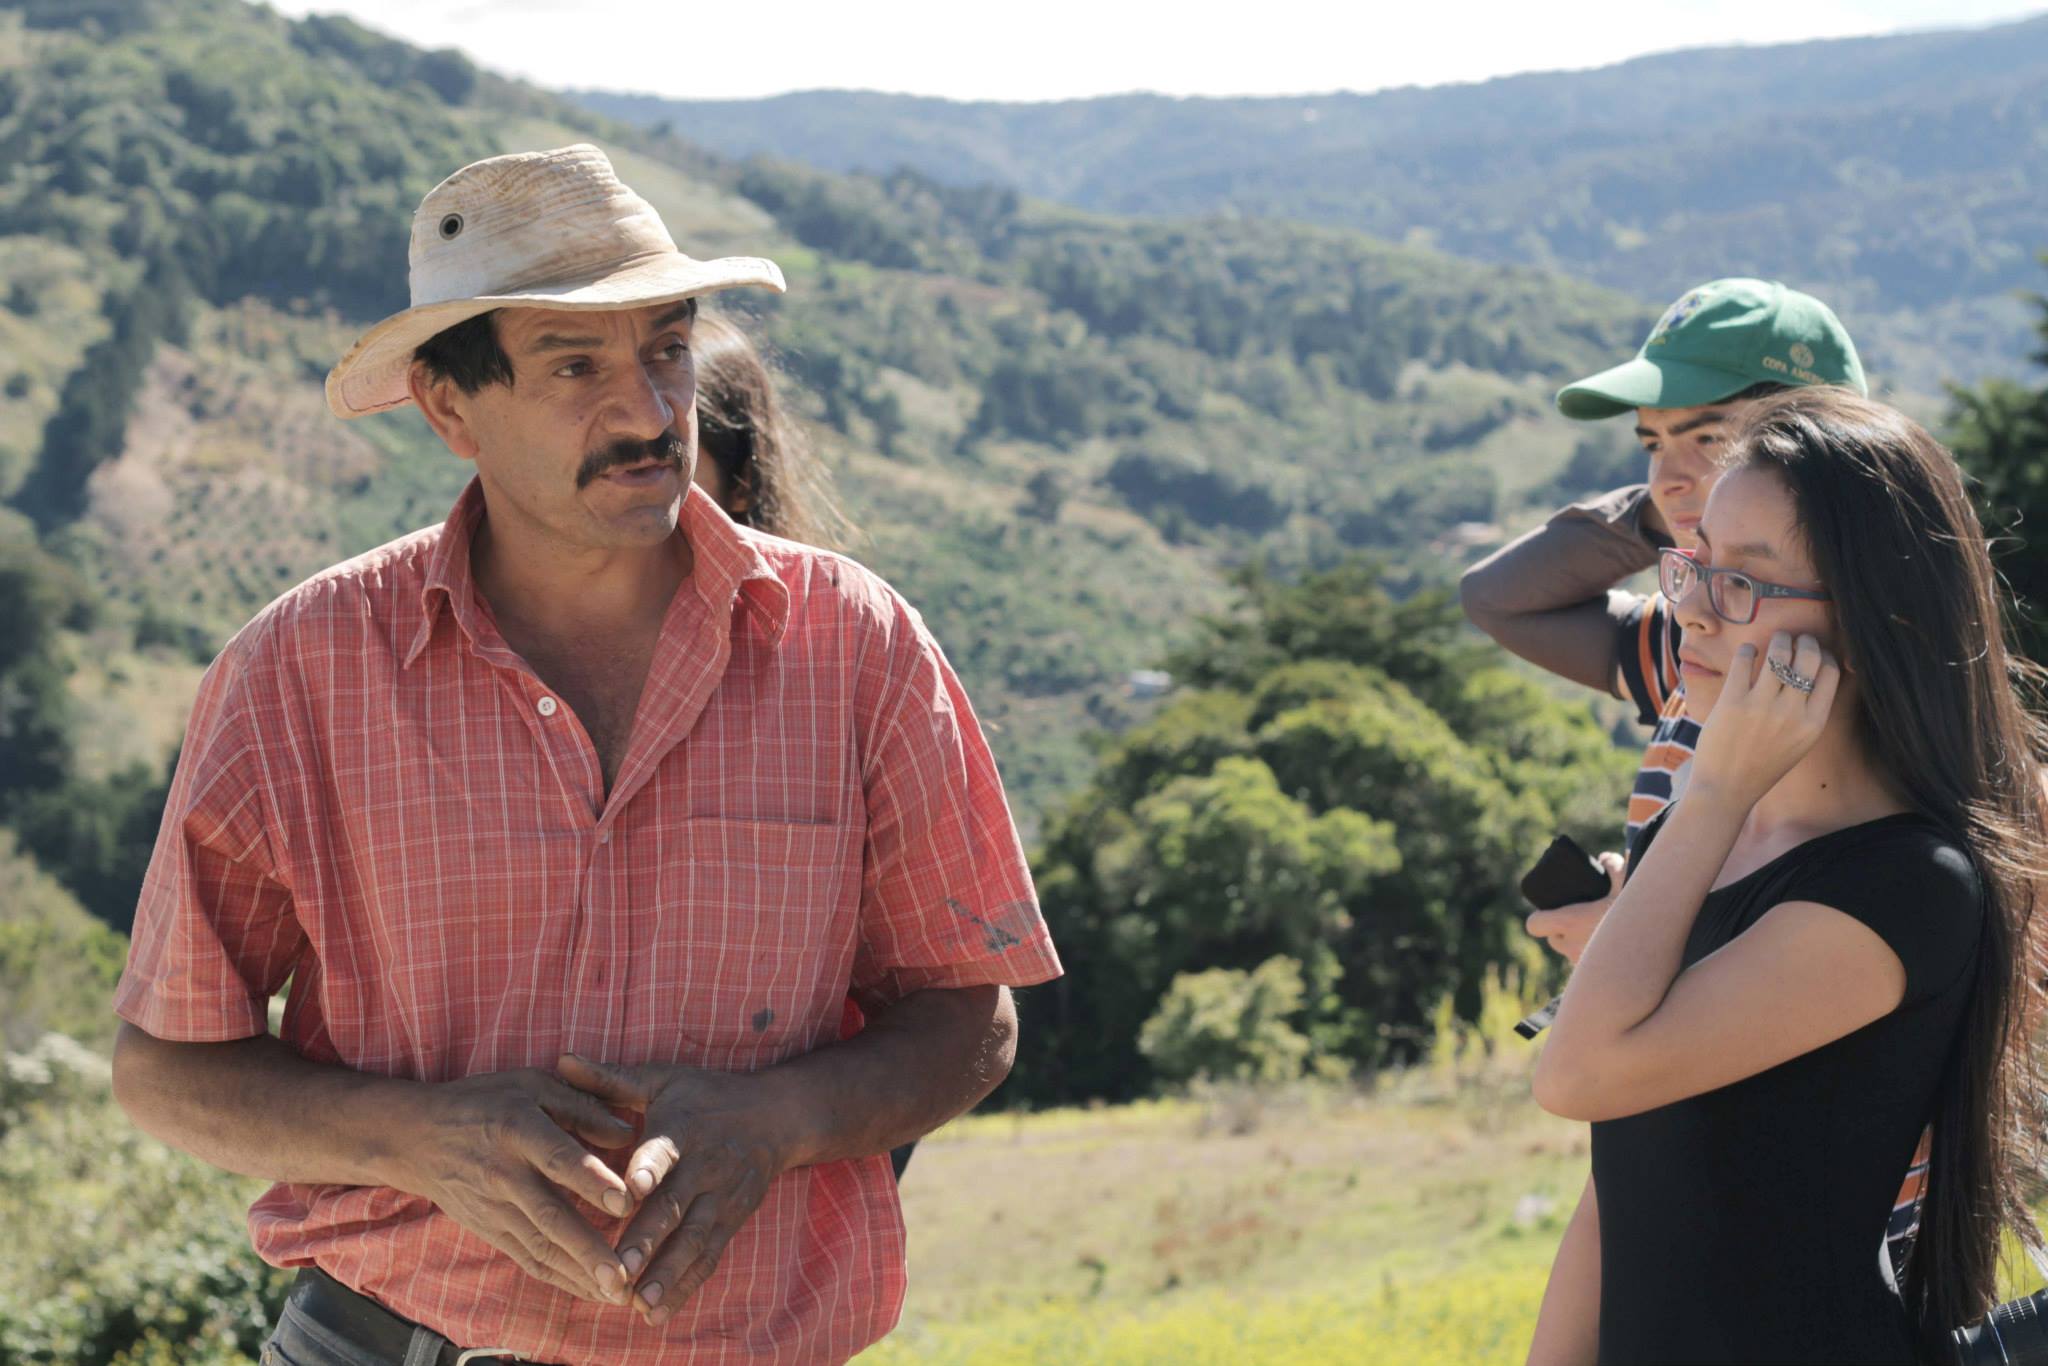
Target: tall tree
1999	431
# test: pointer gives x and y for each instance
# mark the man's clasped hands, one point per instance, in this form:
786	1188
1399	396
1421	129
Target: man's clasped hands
502	1152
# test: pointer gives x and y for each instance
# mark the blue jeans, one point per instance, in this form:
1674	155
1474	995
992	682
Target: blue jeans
298	1341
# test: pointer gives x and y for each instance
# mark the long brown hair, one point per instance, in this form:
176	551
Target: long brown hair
1945	708
760	450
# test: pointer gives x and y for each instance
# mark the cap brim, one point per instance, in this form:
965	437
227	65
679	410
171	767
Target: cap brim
1646	383
372	376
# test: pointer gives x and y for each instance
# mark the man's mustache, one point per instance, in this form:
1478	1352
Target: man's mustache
668	447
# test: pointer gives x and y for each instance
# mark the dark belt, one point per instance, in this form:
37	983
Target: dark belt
364	1323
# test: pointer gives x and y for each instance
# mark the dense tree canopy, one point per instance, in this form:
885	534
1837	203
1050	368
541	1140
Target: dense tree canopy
1350	790
1999	430
1193	391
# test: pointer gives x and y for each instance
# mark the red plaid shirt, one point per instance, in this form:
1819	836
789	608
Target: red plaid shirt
380	801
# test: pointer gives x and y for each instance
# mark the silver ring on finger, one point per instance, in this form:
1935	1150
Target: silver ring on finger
1790	676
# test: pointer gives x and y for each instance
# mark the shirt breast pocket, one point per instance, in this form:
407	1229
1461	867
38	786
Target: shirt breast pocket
756	929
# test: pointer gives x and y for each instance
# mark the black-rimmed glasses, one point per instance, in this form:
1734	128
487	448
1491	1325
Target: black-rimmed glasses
1732	594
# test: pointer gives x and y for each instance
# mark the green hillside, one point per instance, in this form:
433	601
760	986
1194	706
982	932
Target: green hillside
1905	177
1058	433
1084	445
202	202
58	965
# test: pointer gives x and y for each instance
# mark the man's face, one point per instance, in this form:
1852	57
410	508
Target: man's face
594	440
1683	444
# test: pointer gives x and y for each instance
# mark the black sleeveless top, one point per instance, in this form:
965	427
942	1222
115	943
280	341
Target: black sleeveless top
1747	1224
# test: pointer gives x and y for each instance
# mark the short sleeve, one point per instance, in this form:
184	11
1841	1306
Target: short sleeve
946	897
214	933
1916	889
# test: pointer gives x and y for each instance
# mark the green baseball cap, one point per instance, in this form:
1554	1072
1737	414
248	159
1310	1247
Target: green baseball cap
1717	341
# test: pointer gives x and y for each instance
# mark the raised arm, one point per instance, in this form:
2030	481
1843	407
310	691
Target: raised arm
1551	596
1637	1028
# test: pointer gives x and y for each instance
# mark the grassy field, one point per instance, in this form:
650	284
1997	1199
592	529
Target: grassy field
1412	1224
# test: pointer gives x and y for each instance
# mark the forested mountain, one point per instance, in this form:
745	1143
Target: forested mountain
1055	431
1071	439
1905	177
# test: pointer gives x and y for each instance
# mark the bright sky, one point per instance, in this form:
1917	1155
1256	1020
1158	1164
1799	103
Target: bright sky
1059	49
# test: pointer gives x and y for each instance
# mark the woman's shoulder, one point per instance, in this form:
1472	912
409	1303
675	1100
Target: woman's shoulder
1907	879
1908	850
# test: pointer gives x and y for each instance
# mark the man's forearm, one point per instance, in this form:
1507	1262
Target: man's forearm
1546	595
496	1152
255	1107
931	1056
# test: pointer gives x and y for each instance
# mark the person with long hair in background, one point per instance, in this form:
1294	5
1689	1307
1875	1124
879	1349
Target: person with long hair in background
1819	948
757	464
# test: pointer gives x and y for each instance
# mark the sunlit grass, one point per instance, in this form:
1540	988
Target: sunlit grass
1413	1222
1462	1318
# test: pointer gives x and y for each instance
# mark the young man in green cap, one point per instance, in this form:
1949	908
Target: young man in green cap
1554	597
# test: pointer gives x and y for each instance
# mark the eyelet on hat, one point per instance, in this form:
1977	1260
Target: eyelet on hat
450	226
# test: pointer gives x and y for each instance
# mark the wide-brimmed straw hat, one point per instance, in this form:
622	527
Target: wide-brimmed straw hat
533	230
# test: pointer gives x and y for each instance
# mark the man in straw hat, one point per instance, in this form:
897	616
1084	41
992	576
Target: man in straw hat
572	823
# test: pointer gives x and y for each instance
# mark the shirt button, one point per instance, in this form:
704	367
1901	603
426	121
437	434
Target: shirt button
546	706
604	836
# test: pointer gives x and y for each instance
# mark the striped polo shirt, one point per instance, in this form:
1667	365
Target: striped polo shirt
1649	672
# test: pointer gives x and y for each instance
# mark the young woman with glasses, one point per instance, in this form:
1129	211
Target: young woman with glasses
1818	951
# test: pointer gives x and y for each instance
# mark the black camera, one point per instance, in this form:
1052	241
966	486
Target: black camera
2015	1332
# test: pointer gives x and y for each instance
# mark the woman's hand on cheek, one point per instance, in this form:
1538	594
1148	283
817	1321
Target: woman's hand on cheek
1761	726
